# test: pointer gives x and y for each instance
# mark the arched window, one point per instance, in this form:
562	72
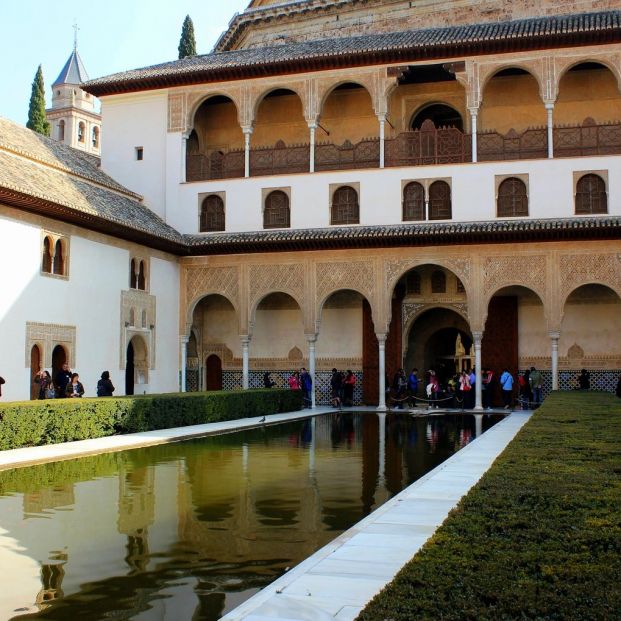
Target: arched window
277	213
591	195
133	275
438	282
142	277
61	130
412	283
46	262
413	202
512	198
81	129
59	259
345	208
95	137
440	201
212	214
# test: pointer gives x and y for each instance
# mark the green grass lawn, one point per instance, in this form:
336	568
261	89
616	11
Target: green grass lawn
539	537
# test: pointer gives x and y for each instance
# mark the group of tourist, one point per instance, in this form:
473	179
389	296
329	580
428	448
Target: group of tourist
67	384
298	380
342	386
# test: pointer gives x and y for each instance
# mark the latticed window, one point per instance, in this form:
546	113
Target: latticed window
277	212
413	201
46	263
212	214
512	198
345	207
440	201
591	195
412	283
438	282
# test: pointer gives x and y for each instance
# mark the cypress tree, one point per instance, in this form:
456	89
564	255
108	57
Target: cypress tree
187	43
36	112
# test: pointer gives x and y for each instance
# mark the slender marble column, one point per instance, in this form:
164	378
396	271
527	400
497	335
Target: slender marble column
247	133
382	137
473	122
554	337
382	448
311	364
550	111
245	341
478	386
183	341
184	155
312	127
381	339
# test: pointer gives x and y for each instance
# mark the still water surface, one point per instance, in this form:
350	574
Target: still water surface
190	530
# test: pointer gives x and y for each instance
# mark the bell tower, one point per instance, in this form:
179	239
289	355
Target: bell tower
73	117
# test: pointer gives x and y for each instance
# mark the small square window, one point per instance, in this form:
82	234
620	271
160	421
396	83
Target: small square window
139	153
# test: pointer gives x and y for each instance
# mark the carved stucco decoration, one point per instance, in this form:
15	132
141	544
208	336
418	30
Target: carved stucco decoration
396	268
354	275
138	318
584	269
203	281
46	336
533	65
526	271
562	62
286	278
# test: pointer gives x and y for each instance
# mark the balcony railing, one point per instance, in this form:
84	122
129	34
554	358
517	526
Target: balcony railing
424	147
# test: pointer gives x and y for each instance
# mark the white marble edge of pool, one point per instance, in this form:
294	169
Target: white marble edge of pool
337	581
33	455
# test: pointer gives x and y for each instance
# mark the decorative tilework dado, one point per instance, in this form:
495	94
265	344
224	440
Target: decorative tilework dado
232	380
567	380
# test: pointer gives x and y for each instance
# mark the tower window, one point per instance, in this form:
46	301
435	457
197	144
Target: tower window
95	137
81	129
139	153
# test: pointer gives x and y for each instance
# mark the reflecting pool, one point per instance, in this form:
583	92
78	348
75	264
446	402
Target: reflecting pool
190	530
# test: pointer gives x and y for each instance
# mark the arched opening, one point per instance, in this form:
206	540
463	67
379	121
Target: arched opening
133	275
215	148
512	200
95	137
591	196
440	115
132	317
277	212
215	330
345	207
192	373
81	130
511	100
212	214
59	259
142	278
59	358
587	90
413	202
440	204
590	337
515	337
143	322
346	327
61	130
280	116
136	366
213	373
35	367
46	261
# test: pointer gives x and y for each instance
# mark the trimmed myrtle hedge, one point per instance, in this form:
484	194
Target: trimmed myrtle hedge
31	423
539	537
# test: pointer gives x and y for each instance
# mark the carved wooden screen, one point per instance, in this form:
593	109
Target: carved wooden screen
591	195
512	198
438	282
413	201
277	213
345	207
212	214
440	201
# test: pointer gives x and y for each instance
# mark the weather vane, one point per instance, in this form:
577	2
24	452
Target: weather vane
75	34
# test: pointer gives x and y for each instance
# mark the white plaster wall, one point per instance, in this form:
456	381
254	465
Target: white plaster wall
130	122
550	185
90	300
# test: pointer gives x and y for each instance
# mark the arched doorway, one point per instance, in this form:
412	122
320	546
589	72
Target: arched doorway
59	357
136	366
35	366
213	373
441	115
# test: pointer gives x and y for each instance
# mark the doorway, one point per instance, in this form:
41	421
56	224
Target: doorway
213	370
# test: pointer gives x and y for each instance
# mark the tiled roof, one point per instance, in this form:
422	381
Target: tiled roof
409	45
73	72
410	234
42	175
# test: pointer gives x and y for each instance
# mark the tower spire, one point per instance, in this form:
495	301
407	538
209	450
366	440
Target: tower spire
75	35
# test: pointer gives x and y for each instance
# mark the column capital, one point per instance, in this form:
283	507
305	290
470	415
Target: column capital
183	339
474	110
247	129
381	337
555	335
549	104
311	338
381	117
245	339
312	124
477	335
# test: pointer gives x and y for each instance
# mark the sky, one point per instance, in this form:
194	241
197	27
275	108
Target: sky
113	35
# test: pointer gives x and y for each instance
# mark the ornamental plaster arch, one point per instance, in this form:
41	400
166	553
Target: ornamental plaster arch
191	307
257	97
616	289
321	303
563	65
252	315
197	100
433	102
327	87
540	292
534	68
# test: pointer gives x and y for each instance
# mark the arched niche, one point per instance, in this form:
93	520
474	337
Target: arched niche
347	114
511	100
587	90
590	325
59	357
136	366
440	114
278	327
280	117
216	324
216	125
35	366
